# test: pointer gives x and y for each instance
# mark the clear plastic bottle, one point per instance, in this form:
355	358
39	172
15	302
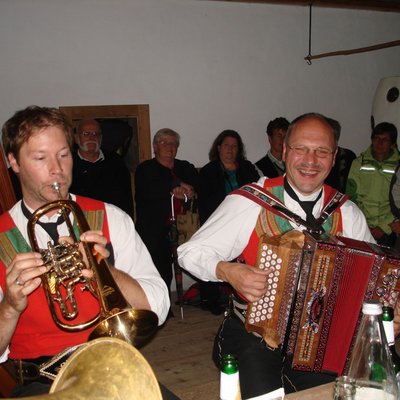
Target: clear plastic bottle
229	378
370	365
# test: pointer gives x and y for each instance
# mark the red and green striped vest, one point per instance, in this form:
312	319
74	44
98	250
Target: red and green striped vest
271	224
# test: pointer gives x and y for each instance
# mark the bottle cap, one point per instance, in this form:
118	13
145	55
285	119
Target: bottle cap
372	308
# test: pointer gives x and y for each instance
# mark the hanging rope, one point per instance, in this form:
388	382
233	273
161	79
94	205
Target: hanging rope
353	51
309	57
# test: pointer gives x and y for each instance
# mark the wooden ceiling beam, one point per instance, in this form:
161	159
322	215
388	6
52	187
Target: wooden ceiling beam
375	5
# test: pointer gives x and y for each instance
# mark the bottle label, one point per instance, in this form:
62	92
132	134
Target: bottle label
389	332
229	386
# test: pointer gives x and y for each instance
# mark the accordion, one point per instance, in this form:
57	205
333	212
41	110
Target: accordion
312	307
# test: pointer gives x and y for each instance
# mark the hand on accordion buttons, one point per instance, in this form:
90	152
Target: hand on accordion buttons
249	281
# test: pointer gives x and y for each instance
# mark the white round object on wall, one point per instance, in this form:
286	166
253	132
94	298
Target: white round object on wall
386	103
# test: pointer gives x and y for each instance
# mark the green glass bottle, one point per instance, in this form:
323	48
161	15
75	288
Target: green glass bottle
229	378
387	319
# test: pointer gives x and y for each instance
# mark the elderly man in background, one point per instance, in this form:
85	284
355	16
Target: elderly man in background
98	174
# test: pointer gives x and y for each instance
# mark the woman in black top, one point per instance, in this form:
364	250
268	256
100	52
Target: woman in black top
227	170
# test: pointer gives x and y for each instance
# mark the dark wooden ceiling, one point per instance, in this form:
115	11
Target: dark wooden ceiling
376	5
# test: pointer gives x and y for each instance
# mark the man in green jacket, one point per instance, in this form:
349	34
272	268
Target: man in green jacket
369	180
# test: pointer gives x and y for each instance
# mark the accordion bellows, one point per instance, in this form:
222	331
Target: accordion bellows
315	292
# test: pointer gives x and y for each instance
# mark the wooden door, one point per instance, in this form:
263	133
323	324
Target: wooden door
7	195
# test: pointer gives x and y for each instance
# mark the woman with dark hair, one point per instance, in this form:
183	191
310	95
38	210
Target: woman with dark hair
227	170
215	148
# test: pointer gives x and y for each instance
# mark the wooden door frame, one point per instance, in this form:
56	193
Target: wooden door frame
7	195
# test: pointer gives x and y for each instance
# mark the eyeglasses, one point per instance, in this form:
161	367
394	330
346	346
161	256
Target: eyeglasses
92	134
320	152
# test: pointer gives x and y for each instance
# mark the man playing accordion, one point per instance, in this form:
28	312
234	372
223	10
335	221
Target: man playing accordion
234	231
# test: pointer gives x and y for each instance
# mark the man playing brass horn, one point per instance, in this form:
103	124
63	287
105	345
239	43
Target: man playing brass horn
236	228
37	142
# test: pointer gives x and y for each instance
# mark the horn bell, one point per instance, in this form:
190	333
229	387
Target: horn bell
104	369
133	326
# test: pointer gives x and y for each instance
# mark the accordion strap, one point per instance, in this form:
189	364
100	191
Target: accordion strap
267	200
335	201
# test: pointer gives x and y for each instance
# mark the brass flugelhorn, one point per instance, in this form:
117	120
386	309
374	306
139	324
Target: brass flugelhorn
65	262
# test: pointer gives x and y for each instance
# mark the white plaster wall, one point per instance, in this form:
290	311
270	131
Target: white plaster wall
201	66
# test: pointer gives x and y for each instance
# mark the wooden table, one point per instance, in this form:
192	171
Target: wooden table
316	393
